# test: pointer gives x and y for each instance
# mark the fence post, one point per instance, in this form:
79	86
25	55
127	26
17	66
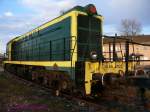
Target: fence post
127	56
114	48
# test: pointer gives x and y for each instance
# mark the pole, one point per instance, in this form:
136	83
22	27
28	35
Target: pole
127	56
114	48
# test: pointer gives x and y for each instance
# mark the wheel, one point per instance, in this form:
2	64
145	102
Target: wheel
45	81
64	85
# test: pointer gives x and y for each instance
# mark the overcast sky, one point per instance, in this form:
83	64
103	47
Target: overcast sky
20	16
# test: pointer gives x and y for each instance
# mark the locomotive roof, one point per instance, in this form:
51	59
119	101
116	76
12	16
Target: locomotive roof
81	9
76	8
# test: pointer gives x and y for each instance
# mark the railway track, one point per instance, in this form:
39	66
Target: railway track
86	104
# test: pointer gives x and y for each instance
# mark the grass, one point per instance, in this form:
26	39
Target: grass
16	95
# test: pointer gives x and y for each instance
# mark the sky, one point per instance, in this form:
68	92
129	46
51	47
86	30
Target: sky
19	16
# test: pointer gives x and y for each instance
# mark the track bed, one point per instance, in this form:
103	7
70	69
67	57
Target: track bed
19	95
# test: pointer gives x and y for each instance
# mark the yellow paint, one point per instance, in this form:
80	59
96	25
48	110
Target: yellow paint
103	68
115	67
73	15
74	32
56	20
90	69
41	63
74	37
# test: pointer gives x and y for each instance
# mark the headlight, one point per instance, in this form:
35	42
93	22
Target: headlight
93	55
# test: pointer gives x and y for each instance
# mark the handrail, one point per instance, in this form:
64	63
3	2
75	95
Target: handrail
72	54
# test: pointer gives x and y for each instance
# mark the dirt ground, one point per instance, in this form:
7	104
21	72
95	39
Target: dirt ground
16	96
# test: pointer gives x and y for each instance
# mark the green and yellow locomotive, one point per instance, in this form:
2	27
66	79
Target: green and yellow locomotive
65	53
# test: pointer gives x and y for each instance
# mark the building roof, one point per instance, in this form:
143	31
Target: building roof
139	39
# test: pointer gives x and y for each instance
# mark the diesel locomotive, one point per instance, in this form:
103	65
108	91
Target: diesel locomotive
65	53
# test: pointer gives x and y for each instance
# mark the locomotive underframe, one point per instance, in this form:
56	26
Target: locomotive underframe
83	74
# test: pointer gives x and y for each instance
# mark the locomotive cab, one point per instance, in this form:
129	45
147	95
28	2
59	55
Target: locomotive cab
89	52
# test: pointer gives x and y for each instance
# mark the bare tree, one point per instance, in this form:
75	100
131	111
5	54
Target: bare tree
130	27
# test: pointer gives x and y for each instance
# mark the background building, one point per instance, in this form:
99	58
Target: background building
139	48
